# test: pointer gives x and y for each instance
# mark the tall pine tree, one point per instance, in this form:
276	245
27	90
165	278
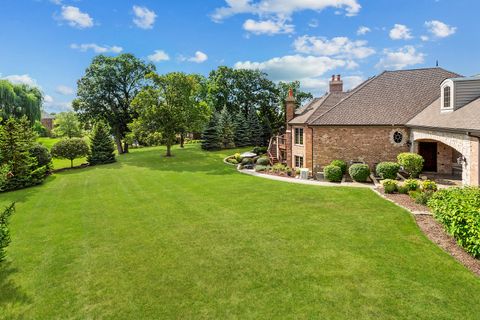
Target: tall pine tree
242	137
211	135
101	145
255	129
227	129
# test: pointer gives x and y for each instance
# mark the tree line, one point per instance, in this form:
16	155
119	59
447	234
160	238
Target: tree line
143	106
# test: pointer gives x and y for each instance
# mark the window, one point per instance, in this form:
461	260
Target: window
298	162
397	137
446	97
299	136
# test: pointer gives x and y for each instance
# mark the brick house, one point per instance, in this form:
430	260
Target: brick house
47	120
431	111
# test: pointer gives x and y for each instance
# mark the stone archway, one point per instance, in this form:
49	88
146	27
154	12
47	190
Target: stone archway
462	143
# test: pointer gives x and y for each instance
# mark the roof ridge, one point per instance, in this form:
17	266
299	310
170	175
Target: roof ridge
323	98
355	90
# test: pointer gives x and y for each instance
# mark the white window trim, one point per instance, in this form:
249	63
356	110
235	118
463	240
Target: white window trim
447	83
295	135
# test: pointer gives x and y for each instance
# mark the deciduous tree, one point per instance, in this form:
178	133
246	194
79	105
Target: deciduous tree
66	124
71	149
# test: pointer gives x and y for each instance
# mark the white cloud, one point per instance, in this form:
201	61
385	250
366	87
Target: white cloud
47	99
338	46
362	30
22	79
64	90
294	67
199	57
282	8
313	23
269	27
96	48
403	57
76	18
440	29
424	38
400	31
144	18
158	56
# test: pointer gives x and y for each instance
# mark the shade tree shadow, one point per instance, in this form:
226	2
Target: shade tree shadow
10	293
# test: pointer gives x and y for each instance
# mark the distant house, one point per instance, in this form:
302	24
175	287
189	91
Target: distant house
47	120
431	111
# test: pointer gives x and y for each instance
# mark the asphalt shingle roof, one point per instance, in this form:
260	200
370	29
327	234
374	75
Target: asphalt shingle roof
391	98
317	107
467	118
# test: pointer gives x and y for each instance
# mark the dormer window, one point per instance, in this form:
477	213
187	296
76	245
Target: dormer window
447	97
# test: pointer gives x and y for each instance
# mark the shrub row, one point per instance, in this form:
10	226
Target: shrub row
458	209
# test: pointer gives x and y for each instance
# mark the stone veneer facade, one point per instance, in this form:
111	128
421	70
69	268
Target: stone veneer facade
466	145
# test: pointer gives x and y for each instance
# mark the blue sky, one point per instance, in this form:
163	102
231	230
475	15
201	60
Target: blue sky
49	43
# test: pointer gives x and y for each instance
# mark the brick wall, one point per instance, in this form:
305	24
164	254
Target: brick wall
369	144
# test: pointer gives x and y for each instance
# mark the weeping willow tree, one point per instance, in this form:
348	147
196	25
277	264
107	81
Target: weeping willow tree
18	100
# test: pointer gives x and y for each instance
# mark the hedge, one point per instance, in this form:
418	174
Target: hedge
341	164
458	209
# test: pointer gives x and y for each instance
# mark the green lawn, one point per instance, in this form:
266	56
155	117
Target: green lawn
59	163
188	237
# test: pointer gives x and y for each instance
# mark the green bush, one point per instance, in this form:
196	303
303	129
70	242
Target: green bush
458	209
421	197
388	170
278	167
232	161
403	189
341	164
333	173
412	163
429	185
263	161
43	156
411	184
246	161
261	168
359	172
238	157
389	185
260	150
4	231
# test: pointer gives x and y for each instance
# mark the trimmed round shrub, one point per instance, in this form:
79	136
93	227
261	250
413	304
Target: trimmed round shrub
388	170
412	163
341	164
359	172
429	185
232	161
260	150
261	168
43	156
247	161
411	184
389	185
333	173
263	161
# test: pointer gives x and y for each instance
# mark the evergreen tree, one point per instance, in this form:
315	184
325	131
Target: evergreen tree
267	131
227	130
211	135
101	145
16	140
242	138
255	129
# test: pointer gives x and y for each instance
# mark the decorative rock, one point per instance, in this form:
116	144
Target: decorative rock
248	155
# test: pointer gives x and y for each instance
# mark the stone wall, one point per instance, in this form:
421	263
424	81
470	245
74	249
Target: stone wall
371	144
466	145
444	158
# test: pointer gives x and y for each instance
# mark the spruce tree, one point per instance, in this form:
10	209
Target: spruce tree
242	137
267	131
101	145
255	129
211	134
227	130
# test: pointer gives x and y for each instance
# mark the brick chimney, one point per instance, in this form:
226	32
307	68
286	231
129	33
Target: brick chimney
336	84
290	105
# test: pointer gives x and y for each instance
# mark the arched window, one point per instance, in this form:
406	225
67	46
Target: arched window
446	97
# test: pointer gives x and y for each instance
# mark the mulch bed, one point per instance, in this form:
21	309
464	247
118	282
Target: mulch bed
435	232
405	201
